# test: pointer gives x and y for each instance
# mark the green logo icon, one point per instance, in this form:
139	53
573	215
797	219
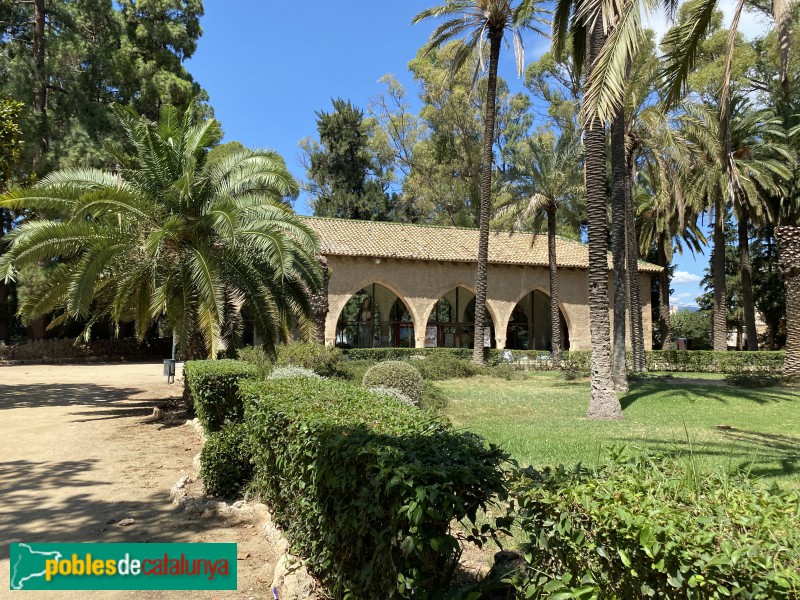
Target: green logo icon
123	566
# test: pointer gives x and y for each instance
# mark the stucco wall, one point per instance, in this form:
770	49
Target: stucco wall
421	283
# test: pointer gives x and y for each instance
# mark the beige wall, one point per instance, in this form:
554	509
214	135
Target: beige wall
421	283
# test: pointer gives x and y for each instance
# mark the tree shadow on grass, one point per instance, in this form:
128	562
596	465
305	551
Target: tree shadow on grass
760	454
678	390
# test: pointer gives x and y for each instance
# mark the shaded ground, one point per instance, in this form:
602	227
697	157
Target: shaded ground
79	452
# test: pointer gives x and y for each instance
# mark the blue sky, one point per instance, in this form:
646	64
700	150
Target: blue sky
268	68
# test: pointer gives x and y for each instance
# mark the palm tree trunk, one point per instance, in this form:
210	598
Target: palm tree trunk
618	169
663	285
789	249
5	314
603	401
747	285
555	314
495	40
720	284
632	257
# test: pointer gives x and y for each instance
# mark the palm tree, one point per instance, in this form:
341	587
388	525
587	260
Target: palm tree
177	236
587	24
668	221
549	176
759	171
640	134
475	20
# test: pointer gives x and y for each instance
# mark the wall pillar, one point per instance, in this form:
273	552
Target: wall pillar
500	342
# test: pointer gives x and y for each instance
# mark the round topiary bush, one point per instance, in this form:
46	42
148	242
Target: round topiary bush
397	375
225	461
396	394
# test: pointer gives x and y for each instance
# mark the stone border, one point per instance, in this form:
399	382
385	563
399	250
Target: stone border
291	579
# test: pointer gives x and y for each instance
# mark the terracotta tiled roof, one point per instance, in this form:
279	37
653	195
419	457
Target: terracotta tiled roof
342	237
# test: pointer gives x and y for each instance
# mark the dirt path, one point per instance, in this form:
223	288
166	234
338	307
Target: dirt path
79	452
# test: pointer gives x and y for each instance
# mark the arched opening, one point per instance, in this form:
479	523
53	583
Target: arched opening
451	323
375	317
530	327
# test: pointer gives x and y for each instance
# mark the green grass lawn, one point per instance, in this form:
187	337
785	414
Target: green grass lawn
540	420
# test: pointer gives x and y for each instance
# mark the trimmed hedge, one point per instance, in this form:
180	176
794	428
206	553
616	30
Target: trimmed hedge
366	487
698	361
212	385
653	528
400	375
225	461
708	361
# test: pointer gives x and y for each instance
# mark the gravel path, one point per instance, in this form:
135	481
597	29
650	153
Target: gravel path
79	452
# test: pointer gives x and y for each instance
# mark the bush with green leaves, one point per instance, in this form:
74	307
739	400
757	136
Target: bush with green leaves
225	461
440	366
212	386
324	360
258	357
708	361
365	487
353	370
653	527
292	371
433	398
393	393
395	374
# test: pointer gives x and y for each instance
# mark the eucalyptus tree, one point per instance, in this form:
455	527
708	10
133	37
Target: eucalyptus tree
548	181
175	236
475	22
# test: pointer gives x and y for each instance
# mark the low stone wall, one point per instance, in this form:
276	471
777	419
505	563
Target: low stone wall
55	351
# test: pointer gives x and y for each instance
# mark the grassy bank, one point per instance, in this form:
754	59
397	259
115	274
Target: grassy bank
541	420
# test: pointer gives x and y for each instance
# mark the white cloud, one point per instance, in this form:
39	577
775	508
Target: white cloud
686	277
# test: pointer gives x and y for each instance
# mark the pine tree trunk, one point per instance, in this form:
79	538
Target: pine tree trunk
747	285
663	285
555	314
603	402
42	141
40	90
495	40
789	250
634	287
720	283
618	169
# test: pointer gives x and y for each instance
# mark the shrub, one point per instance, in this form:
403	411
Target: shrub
353	370
258	357
212	387
702	361
225	461
393	393
395	374
440	366
753	380
291	371
579	361
499	371
433	398
366	488
651	527
321	359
